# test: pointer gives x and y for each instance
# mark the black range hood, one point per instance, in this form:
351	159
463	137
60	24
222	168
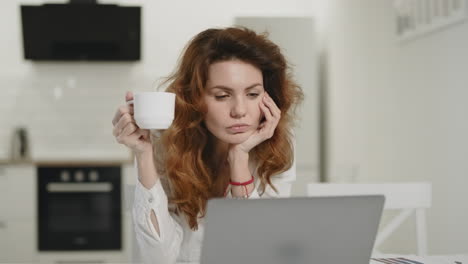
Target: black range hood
81	30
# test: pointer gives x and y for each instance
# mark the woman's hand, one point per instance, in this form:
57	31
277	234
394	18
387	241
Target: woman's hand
127	132
265	130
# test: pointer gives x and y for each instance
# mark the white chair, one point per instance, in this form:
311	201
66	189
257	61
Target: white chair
408	197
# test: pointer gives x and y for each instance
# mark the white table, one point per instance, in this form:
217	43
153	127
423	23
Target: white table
412	259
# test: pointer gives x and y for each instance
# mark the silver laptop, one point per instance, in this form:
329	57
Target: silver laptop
321	230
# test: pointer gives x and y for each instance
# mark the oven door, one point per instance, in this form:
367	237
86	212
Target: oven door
77	212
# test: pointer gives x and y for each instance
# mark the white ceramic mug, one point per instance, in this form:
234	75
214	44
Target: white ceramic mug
153	110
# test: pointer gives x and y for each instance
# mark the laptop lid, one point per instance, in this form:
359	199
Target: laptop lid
323	230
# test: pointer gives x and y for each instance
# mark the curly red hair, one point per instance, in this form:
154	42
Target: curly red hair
183	150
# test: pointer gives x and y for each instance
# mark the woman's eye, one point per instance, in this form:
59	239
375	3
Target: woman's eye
221	97
254	95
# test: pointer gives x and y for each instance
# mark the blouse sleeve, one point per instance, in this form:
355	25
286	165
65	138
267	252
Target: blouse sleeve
154	247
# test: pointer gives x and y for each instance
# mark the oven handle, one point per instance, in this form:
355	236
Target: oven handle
79	187
78	261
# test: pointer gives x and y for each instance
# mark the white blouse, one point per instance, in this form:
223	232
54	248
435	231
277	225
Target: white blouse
177	243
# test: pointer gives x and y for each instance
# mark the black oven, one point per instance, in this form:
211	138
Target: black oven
79	208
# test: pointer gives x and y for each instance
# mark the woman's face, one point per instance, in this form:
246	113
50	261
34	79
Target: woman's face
233	93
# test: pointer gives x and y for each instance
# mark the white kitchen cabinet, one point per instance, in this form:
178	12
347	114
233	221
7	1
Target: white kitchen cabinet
17	242
81	257
3	194
18	192
129	178
128	186
3	239
17	213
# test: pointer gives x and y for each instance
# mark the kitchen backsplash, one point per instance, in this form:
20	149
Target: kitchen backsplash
67	108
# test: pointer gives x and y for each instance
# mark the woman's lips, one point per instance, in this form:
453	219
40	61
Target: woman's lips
238	128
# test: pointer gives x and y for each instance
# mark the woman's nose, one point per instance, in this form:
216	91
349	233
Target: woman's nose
238	109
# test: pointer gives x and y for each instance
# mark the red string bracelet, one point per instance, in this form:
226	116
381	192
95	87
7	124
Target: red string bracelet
242	183
246	191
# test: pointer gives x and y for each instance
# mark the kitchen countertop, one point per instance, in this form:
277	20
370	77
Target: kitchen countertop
78	162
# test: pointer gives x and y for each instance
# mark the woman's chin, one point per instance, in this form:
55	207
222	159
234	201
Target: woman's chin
236	138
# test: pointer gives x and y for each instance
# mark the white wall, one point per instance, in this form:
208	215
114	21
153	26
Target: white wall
78	125
397	112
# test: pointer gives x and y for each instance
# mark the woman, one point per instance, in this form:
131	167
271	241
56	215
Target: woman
231	137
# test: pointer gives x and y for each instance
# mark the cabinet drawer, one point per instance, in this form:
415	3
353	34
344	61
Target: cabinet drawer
3	238
20	195
18	242
129	177
3	193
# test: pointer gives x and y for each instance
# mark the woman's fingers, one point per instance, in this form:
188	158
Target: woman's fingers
145	133
121	123
132	139
122	110
275	111
269	125
126	131
272	116
265	109
128	96
129	129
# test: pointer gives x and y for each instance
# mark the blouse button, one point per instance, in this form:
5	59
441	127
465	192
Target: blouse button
150	199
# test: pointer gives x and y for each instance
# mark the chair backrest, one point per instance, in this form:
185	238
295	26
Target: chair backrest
409	197
397	195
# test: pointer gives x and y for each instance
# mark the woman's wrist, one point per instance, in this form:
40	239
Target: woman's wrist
237	156
146	168
144	155
240	177
242	191
238	161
